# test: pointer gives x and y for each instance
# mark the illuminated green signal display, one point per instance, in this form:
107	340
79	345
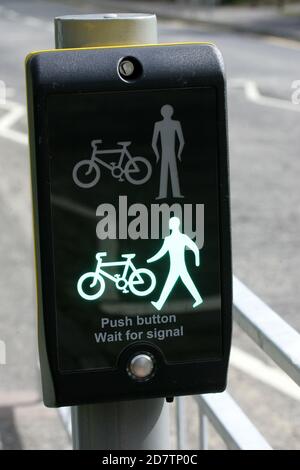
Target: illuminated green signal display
174	244
135	207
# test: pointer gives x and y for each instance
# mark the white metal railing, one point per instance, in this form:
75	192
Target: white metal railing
279	341
267	329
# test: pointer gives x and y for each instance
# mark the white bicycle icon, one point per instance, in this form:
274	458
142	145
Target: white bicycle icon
141	281
137	170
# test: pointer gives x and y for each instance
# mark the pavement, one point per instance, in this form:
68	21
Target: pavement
264	160
272	21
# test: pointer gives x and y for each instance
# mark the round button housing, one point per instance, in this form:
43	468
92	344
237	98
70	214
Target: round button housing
141	366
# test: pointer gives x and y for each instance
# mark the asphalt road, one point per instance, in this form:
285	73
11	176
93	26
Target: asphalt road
264	161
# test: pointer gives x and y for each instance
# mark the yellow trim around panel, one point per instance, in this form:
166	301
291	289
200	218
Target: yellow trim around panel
117	46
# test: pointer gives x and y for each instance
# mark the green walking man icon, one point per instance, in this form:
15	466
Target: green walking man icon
175	245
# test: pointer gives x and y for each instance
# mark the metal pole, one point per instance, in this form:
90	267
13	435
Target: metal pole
107	29
180	423
203	430
140	424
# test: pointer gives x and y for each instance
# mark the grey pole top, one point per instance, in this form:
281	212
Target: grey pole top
106	29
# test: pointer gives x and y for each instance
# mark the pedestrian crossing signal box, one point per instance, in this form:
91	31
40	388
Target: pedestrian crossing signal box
132	229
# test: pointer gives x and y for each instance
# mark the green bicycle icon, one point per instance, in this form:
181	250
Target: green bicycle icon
141	282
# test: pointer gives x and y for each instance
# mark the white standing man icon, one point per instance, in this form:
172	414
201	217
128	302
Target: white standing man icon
168	131
175	245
